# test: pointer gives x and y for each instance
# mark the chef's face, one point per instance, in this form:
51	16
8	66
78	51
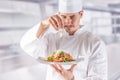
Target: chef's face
71	21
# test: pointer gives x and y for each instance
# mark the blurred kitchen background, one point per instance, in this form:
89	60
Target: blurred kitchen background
17	16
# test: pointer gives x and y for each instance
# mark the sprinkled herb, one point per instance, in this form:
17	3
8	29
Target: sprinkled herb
61	52
49	58
54	52
65	60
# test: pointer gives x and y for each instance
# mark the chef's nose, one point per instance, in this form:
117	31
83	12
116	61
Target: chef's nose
68	21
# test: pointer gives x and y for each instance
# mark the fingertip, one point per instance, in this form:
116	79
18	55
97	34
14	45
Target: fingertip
74	65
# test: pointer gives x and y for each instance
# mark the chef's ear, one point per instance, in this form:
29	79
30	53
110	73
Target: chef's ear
81	13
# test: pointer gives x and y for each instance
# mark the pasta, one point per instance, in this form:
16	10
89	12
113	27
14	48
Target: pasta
59	56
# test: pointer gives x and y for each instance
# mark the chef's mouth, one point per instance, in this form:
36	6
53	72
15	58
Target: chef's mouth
69	26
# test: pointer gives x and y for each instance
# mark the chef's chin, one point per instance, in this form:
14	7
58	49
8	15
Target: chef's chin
70	32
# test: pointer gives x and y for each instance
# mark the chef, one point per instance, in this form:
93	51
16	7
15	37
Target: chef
63	31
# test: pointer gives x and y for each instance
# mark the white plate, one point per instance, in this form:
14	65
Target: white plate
42	60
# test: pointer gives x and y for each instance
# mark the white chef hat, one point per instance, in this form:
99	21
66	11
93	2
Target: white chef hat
70	6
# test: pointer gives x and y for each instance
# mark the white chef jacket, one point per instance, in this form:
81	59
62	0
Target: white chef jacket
82	43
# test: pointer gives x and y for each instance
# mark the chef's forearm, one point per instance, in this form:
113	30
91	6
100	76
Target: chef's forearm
42	28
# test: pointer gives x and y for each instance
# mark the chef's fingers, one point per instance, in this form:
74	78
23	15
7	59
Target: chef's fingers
61	68
72	67
60	21
55	68
53	23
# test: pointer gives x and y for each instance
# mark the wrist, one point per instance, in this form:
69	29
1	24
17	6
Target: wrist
43	27
45	24
72	78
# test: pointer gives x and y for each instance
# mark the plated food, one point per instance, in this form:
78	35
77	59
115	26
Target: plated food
59	56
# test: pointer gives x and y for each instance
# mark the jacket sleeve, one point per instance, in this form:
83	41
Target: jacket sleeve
32	45
97	64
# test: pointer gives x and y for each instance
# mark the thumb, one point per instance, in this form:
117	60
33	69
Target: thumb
72	67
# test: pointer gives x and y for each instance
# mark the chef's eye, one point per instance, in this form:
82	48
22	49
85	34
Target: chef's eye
71	17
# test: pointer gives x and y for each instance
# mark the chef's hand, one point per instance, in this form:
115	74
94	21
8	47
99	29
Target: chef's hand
55	20
66	74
